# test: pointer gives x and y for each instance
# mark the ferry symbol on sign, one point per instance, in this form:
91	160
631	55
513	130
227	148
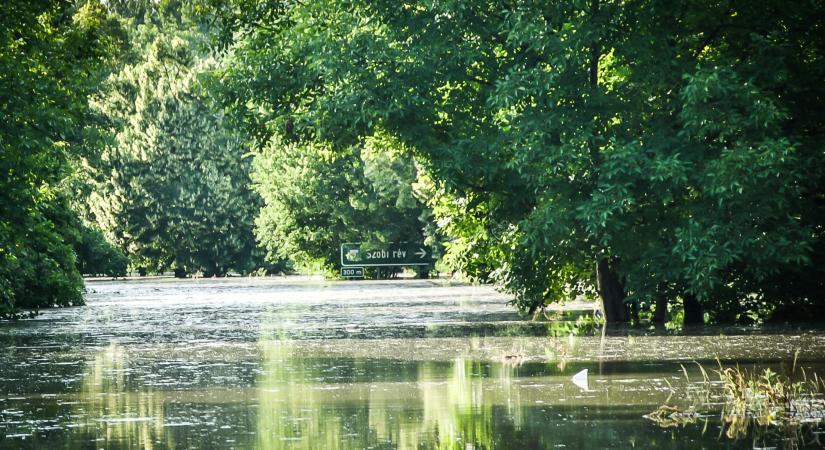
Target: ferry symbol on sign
354	254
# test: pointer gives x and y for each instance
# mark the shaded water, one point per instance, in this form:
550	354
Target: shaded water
347	365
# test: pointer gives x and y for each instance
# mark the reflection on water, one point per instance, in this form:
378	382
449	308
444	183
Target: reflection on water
408	365
133	418
443	405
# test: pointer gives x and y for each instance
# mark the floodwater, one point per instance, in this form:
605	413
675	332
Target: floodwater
309	364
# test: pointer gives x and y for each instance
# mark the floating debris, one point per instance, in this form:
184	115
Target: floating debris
580	380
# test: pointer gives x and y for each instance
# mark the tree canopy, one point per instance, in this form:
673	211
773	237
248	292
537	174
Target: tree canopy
317	198
642	152
173	187
633	149
50	55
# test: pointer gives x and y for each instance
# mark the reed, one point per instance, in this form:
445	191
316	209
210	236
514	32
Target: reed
790	406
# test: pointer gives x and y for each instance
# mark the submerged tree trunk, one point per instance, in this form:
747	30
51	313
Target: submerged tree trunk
214	271
694	315
612	293
660	311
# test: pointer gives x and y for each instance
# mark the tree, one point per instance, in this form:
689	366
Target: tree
172	188
51	54
635	150
317	198
96	256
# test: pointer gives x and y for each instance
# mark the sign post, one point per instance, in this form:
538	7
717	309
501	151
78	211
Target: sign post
356	254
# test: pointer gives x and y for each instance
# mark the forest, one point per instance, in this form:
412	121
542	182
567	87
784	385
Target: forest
665	158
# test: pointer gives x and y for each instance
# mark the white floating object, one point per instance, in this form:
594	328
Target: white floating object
580	380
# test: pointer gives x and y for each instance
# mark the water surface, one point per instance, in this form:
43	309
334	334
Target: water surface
306	364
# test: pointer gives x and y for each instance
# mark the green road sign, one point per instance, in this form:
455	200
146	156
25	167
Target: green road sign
352	272
393	254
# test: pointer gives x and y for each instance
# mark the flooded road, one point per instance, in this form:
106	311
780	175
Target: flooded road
303	364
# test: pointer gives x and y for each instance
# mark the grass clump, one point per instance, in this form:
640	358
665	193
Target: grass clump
765	404
769	399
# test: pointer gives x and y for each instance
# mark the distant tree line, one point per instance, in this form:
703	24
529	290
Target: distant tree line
653	155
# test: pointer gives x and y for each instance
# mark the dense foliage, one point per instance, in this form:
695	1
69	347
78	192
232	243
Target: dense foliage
50	52
637	150
643	152
173	187
317	198
98	257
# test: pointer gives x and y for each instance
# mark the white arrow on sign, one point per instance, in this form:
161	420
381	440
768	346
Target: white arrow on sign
421	253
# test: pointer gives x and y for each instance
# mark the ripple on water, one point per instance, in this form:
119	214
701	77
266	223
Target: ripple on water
260	363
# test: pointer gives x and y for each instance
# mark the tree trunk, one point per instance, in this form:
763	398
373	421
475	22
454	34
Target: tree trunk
694	315
660	313
612	293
